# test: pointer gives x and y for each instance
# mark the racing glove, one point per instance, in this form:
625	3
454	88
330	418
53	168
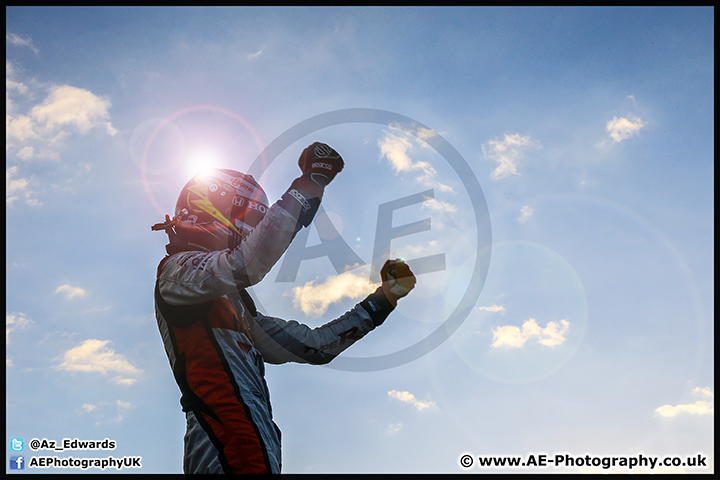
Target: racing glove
319	164
397	280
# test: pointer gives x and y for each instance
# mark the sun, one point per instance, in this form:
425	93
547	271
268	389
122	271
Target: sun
202	160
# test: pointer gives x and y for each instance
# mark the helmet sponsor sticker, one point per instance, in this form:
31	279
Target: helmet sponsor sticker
222	227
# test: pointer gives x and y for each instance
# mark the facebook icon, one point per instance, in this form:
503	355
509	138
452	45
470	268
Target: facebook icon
17	462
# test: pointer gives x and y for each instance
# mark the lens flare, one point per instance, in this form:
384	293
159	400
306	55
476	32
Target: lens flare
159	147
202	160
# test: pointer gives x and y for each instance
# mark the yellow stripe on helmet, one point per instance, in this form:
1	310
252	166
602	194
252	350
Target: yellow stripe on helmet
203	203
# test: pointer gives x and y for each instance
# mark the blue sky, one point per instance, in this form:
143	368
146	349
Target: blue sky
589	132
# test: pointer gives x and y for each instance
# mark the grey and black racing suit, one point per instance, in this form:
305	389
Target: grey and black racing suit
217	343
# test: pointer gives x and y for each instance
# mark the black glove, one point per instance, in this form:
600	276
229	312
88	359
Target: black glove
321	163
397	279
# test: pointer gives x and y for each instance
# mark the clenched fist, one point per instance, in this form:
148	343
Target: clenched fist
321	163
397	280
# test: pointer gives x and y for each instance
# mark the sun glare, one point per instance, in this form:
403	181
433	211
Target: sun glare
203	160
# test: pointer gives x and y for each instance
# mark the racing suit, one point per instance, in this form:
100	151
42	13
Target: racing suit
217	344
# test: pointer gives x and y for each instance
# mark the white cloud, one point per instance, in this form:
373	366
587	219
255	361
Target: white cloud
397	150
314	299
621	129
68	106
105	411
526	213
37	131
12	85
17	187
407	397
71	292
253	56
492	308
94	356
506	153
510	336
122	407
21	41
439	206
418	250
26	153
701	407
698	408
124	381
703	392
20	129
394	427
14	321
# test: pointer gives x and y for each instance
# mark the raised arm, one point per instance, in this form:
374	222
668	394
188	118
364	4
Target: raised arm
201	274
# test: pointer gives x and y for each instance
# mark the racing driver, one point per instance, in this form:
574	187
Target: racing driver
224	238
